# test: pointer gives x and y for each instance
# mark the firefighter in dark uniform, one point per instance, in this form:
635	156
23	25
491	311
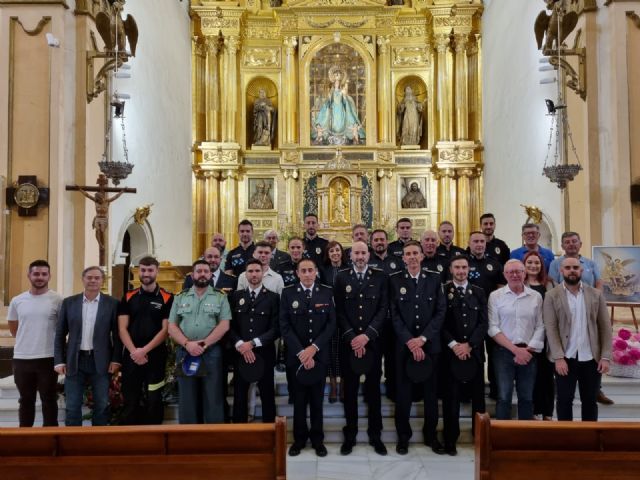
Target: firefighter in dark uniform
254	329
307	322
417	311
404	230
314	244
463	333
361	296
238	257
143	323
496	248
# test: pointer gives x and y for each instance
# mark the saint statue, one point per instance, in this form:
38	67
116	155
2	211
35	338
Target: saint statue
340	208
409	119
263	119
414	197
261	199
337	122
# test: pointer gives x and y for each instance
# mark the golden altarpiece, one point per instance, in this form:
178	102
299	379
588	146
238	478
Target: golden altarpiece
359	110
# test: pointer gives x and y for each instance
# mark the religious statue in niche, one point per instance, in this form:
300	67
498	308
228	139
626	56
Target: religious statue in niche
413	197
409	119
260	198
339	201
264	116
337	122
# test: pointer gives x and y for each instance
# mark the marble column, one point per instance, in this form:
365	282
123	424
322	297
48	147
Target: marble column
461	93
291	98
229	206
212	89
443	82
385	101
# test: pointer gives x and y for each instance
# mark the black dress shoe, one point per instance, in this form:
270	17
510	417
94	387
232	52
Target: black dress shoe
294	450
436	446
378	446
451	450
321	450
402	448
347	447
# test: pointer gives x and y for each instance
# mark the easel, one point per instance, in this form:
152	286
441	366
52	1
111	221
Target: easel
628	305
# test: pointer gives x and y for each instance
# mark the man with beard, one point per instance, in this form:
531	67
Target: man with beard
446	248
496	248
270	279
32	318
361	299
219	279
380	257
143	322
579	334
238	257
198	320
220	243
314	244
404	230
418	307
432	261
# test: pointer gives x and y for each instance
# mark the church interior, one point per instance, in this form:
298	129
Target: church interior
143	127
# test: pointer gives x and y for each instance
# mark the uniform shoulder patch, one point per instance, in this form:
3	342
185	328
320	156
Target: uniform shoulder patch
131	293
166	296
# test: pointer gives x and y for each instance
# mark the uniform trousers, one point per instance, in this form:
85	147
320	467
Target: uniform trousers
313	397
200	397
265	385
351	383
142	387
35	376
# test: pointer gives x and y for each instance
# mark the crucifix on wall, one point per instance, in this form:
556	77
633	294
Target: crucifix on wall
101	220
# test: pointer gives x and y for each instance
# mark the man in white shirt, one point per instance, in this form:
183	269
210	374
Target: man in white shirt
270	279
515	323
579	334
32	321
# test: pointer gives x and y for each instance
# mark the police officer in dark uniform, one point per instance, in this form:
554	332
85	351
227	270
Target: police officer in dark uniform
307	322
404	230
254	329
143	322
313	243
361	296
447	248
463	333
238	257
433	261
219	279
417	311
496	248
287	269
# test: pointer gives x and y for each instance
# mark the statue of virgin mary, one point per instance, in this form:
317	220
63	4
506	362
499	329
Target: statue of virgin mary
337	122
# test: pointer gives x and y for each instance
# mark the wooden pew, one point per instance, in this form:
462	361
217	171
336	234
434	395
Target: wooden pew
248	451
517	450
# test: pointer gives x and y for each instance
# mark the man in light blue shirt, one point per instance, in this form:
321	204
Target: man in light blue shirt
571	245
530	237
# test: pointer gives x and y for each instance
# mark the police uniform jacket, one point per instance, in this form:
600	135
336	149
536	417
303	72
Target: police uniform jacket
395	248
225	282
287	271
466	320
417	310
361	308
314	248
453	251
390	264
485	273
277	258
258	320
238	257
303	322
498	250
437	263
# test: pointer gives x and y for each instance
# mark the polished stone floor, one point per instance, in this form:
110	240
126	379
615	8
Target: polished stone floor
364	464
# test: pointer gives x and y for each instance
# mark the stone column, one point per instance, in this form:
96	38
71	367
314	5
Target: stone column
443	82
464	211
232	44
291	98
212	94
462	108
386	105
212	202
229	205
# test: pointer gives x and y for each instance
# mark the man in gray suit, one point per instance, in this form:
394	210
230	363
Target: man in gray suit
92	351
579	334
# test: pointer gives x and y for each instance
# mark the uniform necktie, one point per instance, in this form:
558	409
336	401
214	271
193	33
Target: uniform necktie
253	296
460	291
415	281
359	277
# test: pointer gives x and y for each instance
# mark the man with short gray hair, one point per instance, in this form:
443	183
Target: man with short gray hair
277	256
530	237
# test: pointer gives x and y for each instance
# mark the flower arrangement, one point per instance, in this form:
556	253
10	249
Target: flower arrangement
626	354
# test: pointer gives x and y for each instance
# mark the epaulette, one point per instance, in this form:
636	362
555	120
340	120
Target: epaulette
345	269
289	286
395	273
425	269
376	269
325	285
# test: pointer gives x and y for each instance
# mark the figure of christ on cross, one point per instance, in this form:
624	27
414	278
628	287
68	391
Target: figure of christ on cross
102	201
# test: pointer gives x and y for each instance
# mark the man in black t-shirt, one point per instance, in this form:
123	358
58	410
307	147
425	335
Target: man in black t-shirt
238	257
143	323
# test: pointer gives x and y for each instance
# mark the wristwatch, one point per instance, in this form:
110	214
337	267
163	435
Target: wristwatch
423	338
253	343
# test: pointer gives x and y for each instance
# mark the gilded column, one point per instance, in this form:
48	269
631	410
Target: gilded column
385	104
473	69
464	211
291	106
445	120
447	195
462	108
475	187
212	95
292	209
229	206
197	96
231	92
199	208
212	202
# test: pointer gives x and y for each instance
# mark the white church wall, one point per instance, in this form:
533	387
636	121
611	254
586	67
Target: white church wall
158	130
516	129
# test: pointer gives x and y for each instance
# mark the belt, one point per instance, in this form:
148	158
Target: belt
86	352
521	345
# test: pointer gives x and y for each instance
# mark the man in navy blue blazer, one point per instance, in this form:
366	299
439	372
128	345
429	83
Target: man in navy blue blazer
92	351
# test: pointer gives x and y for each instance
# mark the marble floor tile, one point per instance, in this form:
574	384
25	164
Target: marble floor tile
305	455
302	470
398	469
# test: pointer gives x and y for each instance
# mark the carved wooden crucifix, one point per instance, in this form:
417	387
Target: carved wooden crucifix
102	201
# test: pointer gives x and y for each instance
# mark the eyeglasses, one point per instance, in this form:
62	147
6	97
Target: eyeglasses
513	272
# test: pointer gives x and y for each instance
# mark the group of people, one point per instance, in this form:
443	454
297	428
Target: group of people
424	312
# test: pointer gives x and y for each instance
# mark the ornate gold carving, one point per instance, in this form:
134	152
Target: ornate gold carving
410	56
289	22
142	213
442	42
534	213
316	24
457	154
385	156
217	23
383	44
262	57
410	31
230	174
262	32
348	24
232	43
212	44
220	156
458	21
292	173
339	205
290	44
460	42
32	33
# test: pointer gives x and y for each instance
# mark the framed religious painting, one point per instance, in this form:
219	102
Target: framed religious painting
261	194
412	192
619	268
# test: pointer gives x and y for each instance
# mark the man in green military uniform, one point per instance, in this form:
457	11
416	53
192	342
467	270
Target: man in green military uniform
198	320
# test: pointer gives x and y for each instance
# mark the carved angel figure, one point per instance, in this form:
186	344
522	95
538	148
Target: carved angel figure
113	28
547	25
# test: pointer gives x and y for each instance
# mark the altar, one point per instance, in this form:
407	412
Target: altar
361	111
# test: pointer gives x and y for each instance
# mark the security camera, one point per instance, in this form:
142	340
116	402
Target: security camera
52	41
